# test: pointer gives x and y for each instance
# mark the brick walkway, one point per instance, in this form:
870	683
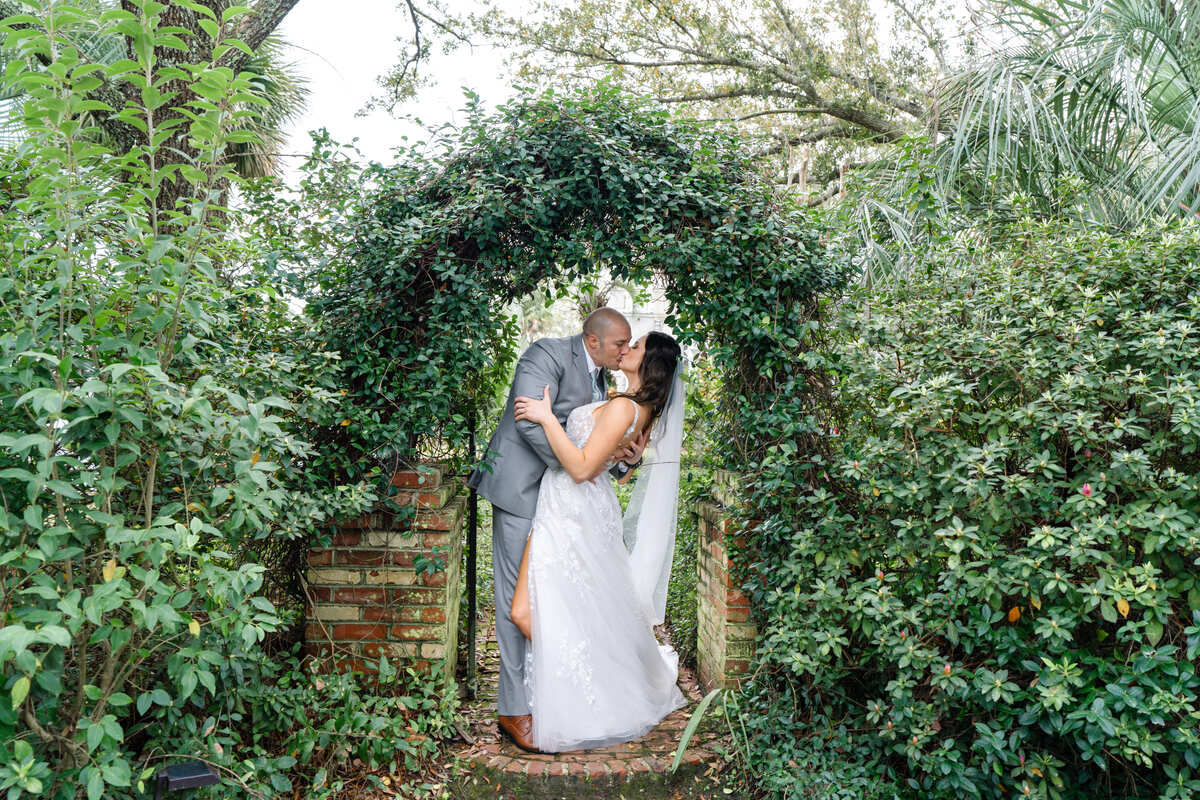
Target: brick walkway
494	767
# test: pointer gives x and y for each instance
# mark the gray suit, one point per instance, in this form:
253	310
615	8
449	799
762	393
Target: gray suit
509	477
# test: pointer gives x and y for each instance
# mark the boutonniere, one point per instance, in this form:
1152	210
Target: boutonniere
610	386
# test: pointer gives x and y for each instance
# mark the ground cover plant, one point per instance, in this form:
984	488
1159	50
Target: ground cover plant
982	582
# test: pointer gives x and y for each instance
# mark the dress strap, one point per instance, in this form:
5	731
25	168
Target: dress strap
635	412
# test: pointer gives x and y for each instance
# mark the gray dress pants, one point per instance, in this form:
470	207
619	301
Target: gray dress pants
509	533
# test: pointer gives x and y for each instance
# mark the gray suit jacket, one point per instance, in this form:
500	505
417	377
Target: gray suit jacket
518	454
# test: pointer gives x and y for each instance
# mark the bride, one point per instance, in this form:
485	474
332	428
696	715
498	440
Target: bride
594	673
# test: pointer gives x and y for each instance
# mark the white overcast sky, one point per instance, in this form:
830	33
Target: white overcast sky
343	46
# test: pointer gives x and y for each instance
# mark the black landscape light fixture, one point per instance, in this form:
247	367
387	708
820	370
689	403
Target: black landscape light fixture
188	775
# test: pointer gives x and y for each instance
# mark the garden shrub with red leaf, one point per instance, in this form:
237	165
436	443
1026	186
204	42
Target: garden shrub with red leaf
986	585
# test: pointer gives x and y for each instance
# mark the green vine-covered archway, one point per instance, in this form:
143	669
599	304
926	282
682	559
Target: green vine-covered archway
552	187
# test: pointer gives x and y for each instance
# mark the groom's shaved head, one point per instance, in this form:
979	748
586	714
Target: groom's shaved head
601	321
606	336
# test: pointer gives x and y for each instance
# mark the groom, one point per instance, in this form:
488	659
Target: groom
511	472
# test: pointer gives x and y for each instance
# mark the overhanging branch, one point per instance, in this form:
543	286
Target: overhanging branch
884	129
831	131
255	27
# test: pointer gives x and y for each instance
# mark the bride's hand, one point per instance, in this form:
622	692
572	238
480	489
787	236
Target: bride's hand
538	411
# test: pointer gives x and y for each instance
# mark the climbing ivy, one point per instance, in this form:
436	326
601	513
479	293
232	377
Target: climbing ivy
547	188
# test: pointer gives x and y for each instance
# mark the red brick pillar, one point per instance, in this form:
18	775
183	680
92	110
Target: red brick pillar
367	596
725	634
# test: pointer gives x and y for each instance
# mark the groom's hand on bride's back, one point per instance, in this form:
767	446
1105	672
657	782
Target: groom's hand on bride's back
631	453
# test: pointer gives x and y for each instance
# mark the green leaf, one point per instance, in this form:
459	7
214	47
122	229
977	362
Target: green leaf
210	27
161	245
95	783
199	8
20	691
690	730
95	736
55	635
234	11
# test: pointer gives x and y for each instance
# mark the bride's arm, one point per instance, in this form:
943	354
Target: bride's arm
588	462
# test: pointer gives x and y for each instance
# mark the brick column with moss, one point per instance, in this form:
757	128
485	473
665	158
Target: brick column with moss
371	593
725	633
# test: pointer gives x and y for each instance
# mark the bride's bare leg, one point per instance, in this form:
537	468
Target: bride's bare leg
519	613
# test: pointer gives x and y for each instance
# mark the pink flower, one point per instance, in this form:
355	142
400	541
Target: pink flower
1087	453
1086	491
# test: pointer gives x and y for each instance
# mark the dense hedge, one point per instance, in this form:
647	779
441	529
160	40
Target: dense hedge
985	584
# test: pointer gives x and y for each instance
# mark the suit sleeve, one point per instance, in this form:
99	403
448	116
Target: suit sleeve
536	370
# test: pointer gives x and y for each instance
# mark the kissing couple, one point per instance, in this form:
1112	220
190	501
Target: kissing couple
578	589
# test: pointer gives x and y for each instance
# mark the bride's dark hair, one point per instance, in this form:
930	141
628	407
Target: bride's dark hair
657	372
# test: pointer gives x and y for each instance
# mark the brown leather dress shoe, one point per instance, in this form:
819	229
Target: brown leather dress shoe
520	730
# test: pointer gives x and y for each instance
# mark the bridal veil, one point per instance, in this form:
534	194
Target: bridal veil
653	513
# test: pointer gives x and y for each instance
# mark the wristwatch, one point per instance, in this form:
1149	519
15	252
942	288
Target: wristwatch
623	468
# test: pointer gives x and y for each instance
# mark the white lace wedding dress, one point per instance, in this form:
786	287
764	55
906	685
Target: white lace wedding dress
595	674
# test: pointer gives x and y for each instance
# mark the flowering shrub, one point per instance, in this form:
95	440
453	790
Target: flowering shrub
984	582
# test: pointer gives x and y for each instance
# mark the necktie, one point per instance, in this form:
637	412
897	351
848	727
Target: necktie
598	385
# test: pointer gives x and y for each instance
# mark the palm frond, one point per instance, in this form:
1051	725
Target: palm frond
1106	92
12	128
283	92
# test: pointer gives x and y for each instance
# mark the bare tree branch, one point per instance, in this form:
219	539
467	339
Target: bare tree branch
838	130
871	87
831	188
888	131
411	60
773	111
815	69
728	94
